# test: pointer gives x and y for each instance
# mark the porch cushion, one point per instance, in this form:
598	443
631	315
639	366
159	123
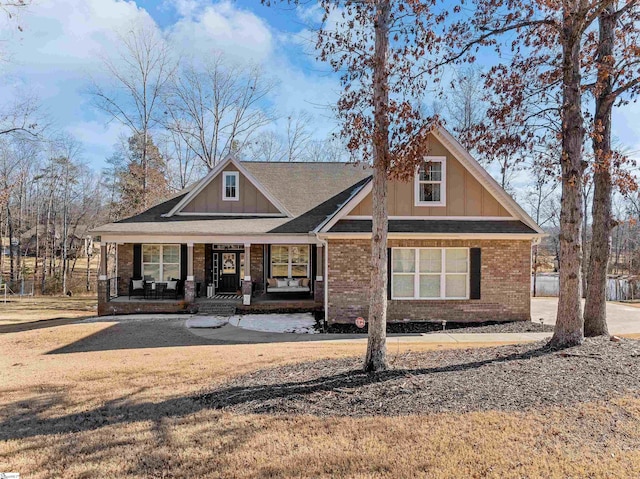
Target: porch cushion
289	289
293	283
283	283
172	285
138	283
304	282
272	282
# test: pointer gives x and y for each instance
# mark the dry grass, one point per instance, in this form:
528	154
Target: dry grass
128	413
20	310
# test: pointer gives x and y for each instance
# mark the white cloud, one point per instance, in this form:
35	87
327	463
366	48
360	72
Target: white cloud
239	34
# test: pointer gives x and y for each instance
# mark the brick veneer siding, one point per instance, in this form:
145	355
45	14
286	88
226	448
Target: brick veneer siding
125	267
198	264
505	283
256	267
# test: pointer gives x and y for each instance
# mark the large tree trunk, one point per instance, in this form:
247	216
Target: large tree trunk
569	327
595	310
376	359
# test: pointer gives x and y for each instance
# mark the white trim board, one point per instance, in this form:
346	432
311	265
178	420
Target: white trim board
213	174
438	218
439	236
222	239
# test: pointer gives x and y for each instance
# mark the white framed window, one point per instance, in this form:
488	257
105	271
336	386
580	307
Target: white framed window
429	273
160	262
230	186
431	182
290	261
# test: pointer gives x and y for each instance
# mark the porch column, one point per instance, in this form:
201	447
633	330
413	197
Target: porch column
318	290
246	281
190	284
103	282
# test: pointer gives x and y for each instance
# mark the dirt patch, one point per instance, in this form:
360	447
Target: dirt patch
509	378
449	327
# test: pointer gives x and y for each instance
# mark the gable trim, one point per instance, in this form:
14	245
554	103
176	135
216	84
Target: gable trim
470	163
440	218
177	209
485	179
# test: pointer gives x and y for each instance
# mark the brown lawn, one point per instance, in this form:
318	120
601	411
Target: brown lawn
27	309
74	403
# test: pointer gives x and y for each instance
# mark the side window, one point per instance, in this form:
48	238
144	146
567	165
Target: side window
230	186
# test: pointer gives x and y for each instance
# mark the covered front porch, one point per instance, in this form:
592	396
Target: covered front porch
173	277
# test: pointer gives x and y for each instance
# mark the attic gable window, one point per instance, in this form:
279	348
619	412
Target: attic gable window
230	186
431	182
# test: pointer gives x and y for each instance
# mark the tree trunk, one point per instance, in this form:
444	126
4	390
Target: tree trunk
376	359
569	327
595	310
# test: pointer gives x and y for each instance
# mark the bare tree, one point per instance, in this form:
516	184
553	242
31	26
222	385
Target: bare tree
216	107
465	104
138	73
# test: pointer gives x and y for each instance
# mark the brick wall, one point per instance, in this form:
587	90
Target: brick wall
125	267
505	283
257	267
198	263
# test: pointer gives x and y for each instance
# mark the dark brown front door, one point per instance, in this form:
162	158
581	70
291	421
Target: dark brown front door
228	271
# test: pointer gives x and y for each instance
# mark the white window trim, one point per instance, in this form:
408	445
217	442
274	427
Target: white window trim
289	263
226	174
161	263
443	276
442	183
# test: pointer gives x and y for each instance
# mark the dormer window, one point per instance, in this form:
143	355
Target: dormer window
430	182
230	186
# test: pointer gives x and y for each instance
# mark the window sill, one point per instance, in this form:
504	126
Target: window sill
430	203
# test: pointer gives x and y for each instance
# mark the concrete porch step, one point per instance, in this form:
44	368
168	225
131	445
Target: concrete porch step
217	308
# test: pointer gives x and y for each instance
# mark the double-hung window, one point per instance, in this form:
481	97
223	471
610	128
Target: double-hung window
230	186
430	273
160	262
290	261
431	182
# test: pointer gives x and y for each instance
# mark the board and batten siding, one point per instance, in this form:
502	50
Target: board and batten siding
209	200
465	195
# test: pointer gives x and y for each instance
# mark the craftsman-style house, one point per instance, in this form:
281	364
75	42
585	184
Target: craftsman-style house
279	235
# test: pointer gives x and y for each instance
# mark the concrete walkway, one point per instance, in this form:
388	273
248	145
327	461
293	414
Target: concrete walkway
621	318
233	335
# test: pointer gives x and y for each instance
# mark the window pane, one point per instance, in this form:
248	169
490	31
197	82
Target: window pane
456	285
430	260
170	271
300	254
404	260
431	171
403	286
279	254
150	253
171	254
151	272
280	270
429	286
298	270
456	260
430	192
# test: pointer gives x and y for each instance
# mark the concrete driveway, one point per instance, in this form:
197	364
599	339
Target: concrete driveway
621	318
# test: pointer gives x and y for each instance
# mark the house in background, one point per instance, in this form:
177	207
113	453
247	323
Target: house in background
283	235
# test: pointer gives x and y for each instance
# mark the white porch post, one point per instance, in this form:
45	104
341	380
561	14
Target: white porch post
189	285
246	281
319	285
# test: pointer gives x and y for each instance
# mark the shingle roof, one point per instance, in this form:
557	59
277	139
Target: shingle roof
310	191
436	226
303	186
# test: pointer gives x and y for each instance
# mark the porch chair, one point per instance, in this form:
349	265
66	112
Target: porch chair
172	290
136	287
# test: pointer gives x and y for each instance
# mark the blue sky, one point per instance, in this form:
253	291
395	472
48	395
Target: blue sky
59	50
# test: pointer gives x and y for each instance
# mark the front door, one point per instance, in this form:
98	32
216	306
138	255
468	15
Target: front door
228	271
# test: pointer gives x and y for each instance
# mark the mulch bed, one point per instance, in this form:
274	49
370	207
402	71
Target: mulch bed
509	378
450	327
